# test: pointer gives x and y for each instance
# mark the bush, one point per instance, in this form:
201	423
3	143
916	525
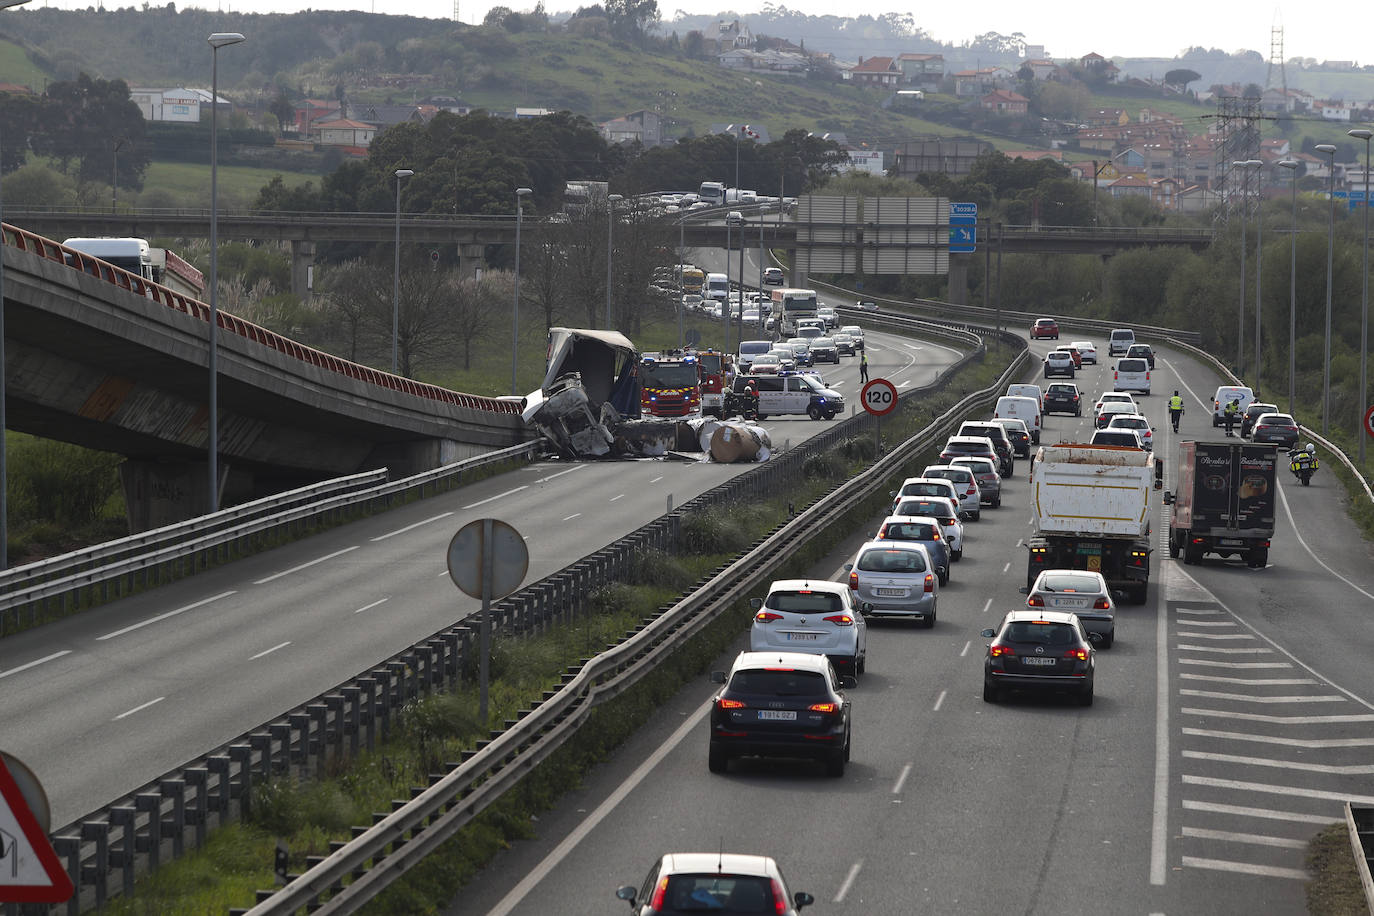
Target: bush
714	531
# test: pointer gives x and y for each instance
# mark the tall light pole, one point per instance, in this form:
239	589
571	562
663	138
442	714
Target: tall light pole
611	200
1240	312
1292	166
401	174
217	41
1330	151
681	266
1258	165
520	194
739	326
114	179
4	480
1363	134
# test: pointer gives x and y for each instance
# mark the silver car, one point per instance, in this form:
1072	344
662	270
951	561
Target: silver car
812	616
942	509
926	530
1081	593
970	500
989	481
897	578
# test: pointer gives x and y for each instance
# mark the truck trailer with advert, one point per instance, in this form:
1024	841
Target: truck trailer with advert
1224	503
1092	510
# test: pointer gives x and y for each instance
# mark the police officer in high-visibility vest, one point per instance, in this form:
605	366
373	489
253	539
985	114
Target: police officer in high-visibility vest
1229	416
1175	410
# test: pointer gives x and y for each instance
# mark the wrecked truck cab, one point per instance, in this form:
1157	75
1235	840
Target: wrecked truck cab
590	385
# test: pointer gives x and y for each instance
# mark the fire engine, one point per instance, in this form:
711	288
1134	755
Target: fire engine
669	384
716	369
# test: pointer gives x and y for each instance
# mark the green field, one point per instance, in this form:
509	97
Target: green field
238	185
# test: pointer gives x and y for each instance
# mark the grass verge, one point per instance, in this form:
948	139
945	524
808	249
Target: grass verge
1335	886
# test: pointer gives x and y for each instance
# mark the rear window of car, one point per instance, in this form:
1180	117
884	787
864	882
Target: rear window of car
1067	390
804	601
990	430
898	561
1123	335
1277	419
778	682
924	489
958	475
718	893
1064	582
1129	423
1132	365
1042	633
922	507
965	448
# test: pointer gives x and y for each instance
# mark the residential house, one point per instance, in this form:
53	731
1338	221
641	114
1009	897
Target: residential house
922	69
310	111
1096	63
15	89
448	103
354	135
1034	52
1335	111
381	116
881	72
786	63
1196	198
1130	186
728	35
180	105
1004	101
643	125
1042	69
978	83
1164	193
1107	117
1274	149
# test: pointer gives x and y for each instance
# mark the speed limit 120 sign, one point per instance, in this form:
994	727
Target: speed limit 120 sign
1369	421
879	397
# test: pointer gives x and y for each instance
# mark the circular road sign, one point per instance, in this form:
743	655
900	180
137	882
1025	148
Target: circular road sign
879	397
1369	421
510	558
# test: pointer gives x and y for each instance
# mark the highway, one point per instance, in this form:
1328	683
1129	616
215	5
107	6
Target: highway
1232	718
106	700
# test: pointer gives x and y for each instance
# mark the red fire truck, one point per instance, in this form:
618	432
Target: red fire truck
669	384
716	369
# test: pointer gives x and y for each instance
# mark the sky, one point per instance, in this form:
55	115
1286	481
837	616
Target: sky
1071	30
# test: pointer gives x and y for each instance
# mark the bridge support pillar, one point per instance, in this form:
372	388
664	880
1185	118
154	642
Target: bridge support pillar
302	268
958	279
158	493
471	259
794	274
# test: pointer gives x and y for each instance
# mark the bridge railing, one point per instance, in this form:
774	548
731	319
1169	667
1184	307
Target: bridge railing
48	249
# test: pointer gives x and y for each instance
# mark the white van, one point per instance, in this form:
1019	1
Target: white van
783	395
748	349
1225	395
717	287
1027	391
1120	341
1131	374
1020	408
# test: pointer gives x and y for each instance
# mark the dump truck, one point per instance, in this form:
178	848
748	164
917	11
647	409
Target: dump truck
1224	503
1092	506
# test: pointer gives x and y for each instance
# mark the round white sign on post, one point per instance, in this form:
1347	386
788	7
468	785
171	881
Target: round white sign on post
879	397
510	558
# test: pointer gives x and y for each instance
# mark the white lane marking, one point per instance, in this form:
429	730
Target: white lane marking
35	663
901	780
1213	663
848	881
987	604
912	346
940	700
1159	823
1006	566
1290	791
1259	650
1274	739
1184	634
282	645
656	480
1267	813
1247	698
161	617
573	516
967	645
1250	681
1020	542
315	562
483	502
614	498
560	473
1246	868
383	537
560	852
1206	623
368	607
123	715
1254	839
1210	612
1330	769
1278	720
1303	541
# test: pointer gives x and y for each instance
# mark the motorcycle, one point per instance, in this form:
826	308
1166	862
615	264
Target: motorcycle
1303	465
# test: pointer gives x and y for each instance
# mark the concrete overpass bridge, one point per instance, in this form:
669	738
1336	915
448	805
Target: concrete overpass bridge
102	358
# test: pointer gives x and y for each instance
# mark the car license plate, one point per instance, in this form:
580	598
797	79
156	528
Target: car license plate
1230	542
802	637
891	592
1033	660
782	715
1070	602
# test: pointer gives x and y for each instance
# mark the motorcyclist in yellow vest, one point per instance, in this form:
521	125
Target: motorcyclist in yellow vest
1175	410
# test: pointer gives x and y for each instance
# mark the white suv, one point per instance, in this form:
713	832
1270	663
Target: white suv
1120	341
812	616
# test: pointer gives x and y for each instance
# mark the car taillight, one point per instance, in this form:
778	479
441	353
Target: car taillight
998	650
1115	375
1080	654
1147	375
971	490
765	616
930	582
660	892
935	535
824	707
854	581
949	521
723	703
779	898
1101	604
1035	601
840	620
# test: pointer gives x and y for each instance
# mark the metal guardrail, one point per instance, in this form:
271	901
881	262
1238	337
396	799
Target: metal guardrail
117	568
104	851
1359	822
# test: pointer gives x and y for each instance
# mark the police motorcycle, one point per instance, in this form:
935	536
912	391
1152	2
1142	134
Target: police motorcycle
1303	463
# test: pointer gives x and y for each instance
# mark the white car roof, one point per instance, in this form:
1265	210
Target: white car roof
791	659
1083	343
1131	417
954	510
815	585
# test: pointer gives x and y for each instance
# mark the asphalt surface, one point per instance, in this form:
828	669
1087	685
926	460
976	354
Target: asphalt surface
1232	718
102	702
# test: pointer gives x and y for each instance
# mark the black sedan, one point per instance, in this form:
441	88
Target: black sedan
1038	649
1278	428
1064	397
781	704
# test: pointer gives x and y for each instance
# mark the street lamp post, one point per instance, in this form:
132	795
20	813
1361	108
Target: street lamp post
217	40
1330	151
681	266
739	326
1363	134
611	200
1240	312
4	482
1258	165
520	194
1292	166
114	178
396	273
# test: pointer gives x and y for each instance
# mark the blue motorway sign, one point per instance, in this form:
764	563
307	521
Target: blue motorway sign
962	239
1354	199
960	211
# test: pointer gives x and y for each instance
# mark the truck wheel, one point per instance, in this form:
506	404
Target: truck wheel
1139	593
1108	640
813	412
1173	546
1258	559
1192	554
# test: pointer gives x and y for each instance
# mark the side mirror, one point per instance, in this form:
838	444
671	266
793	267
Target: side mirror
848	681
626	893
892	493
849	567
756	603
718	677
989	633
802	898
1168	498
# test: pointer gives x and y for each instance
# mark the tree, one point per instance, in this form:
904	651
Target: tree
473	305
282	109
77	123
1181	77
630	18
694	45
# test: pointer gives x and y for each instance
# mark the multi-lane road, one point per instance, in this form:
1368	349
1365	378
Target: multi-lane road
1233	715
104	701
